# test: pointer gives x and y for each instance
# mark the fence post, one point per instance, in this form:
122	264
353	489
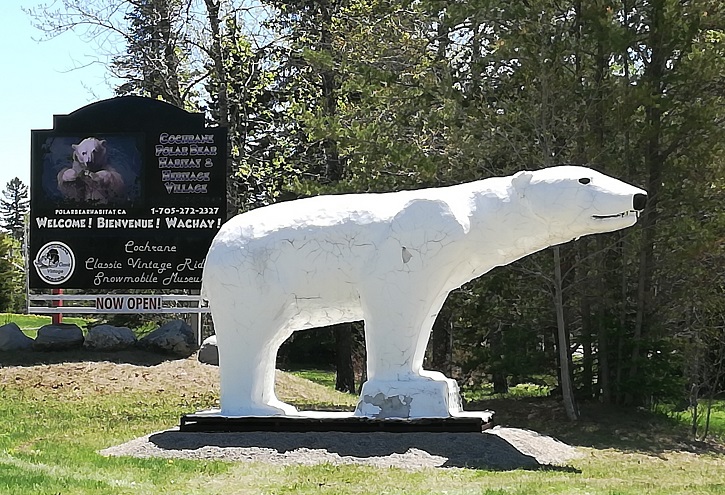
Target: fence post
57	318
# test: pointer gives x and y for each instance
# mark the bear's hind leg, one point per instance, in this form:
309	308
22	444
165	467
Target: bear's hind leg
247	369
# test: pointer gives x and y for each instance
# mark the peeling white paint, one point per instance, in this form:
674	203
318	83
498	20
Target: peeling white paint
390	259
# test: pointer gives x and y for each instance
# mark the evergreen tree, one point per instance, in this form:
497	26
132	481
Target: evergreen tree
14	207
11	275
311	81
248	98
152	63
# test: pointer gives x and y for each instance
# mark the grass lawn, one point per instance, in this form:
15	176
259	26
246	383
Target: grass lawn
717	418
323	377
56	417
31	323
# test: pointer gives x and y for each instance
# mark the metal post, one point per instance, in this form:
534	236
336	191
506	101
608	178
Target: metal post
57	318
26	262
195	318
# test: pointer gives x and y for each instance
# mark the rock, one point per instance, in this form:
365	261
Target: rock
175	337
109	338
208	353
13	339
59	337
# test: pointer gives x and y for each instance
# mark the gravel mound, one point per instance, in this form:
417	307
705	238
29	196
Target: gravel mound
498	448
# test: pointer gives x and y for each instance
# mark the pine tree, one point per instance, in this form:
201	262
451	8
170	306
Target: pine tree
11	275
14	207
152	65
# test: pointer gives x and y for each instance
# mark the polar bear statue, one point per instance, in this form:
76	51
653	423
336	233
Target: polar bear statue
388	259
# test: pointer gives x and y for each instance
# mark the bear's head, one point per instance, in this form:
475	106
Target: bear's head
90	153
576	201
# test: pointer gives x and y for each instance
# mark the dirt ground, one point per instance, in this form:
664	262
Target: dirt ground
84	372
105	372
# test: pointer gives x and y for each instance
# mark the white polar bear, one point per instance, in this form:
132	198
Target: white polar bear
391	260
90	154
90	178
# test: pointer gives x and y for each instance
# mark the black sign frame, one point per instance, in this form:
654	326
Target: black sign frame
126	193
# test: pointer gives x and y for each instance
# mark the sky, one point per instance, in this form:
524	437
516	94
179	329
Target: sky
37	80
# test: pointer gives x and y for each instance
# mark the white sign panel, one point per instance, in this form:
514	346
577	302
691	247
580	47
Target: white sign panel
113	303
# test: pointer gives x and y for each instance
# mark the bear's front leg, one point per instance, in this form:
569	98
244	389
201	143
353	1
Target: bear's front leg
396	337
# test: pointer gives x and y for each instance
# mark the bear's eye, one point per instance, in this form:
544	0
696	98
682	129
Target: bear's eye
584	180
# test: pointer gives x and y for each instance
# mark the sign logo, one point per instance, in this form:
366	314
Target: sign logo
55	263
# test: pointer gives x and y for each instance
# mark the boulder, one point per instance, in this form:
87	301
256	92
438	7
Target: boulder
208	353
59	337
13	339
175	337
109	338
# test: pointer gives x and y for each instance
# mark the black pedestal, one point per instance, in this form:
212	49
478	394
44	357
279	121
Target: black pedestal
212	423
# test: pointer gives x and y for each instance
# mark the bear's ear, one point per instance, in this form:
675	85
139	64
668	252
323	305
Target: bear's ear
75	146
521	180
102	142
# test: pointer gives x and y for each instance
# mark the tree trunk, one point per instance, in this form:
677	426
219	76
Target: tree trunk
345	378
567	390
587	320
603	369
654	158
441	341
498	374
620	364
216	54
587	377
171	59
622	244
600	283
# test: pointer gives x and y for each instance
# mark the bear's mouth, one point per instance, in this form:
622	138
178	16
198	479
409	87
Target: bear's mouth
617	215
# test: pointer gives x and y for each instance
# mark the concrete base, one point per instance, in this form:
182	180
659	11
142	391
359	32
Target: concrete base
424	397
308	421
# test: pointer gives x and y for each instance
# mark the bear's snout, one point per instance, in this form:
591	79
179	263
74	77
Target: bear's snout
639	201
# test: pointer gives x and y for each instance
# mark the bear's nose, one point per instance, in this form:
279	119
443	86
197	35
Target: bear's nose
639	201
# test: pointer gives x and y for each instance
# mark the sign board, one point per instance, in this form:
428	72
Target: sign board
117	303
126	193
127	303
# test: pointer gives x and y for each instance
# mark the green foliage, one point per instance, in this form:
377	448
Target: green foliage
12	280
715	422
481	392
165	49
309	348
141	323
260	132
500	327
13	208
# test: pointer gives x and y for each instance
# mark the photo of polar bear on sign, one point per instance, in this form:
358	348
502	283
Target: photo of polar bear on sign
90	178
391	260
